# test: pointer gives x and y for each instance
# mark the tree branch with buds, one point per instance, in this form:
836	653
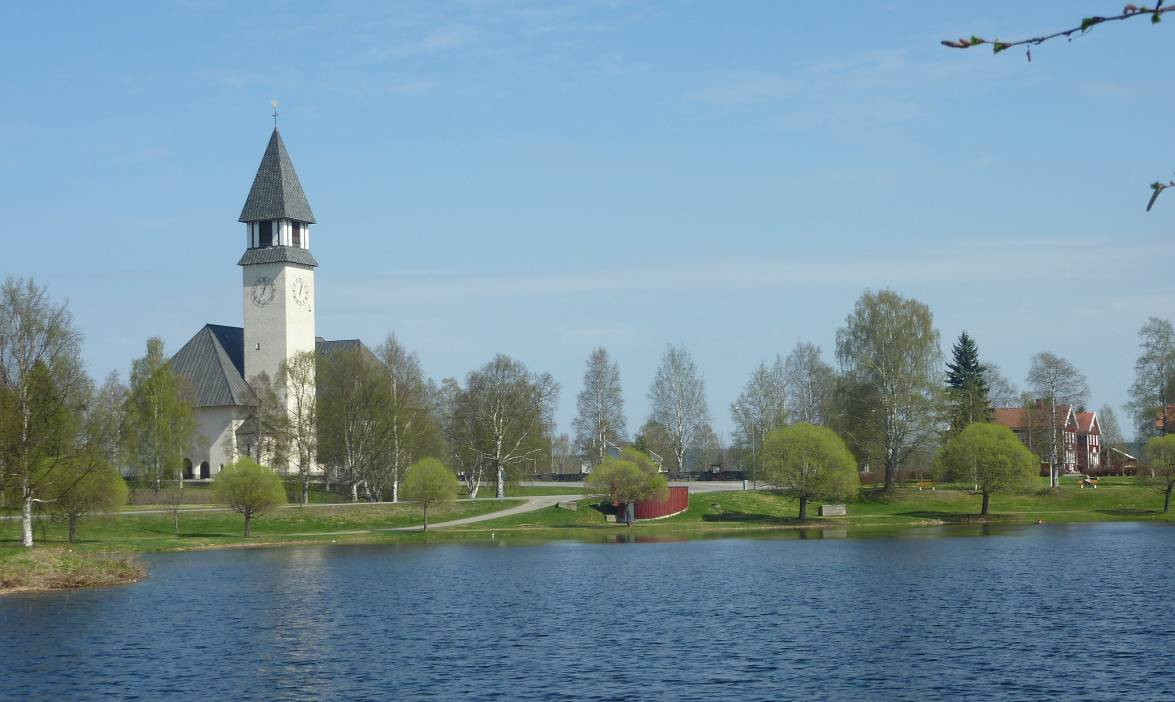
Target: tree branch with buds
1087	23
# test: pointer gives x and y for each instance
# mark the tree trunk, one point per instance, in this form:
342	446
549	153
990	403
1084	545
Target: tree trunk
1167	497
396	485
425	517
803	507
891	472
26	517
354	492
306	486
248	525
986	502
501	488
73	528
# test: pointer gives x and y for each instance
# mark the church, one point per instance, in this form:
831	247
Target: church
278	296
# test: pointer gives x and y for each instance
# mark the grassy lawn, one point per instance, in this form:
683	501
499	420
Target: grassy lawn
156	532
531	490
719	512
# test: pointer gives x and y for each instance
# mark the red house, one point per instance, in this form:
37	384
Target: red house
1032	425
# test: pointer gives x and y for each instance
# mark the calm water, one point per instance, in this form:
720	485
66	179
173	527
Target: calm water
1045	613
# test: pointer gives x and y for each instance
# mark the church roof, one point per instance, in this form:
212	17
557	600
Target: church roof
276	191
278	254
213	361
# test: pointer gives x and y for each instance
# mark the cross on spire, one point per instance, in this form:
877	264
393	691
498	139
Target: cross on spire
274	103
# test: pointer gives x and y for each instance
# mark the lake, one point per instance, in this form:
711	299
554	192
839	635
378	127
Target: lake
1082	612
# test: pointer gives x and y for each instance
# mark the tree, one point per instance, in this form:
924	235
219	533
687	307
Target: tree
43	395
429	483
1056	382
599	419
678	400
499	421
808	385
1001	392
1153	390
1159	455
91	490
889	348
1112	439
967	386
990	457
250	489
160	424
654	440
760	407
298	386
633	477
354	417
266	426
1130	11
808	462
412	430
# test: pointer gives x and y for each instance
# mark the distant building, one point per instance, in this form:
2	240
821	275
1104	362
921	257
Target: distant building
278	293
1032	425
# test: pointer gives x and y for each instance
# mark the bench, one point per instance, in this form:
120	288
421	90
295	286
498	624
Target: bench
833	510
925	485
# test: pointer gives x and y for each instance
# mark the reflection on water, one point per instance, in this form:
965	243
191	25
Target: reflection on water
957	612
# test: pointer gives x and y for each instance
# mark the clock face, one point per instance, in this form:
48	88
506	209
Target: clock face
263	291
301	292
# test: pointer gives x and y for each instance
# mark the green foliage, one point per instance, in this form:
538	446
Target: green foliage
889	351
94	489
1159	466
250	489
809	462
990	457
429	483
631	478
160	425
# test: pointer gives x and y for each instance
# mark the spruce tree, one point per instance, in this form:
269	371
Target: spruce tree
967	385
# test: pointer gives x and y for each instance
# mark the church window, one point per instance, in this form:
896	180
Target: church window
265	233
296	229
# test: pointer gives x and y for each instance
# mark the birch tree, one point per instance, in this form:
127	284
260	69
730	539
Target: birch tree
353	405
1153	389
889	346
297	387
501	416
43	392
759	408
1001	392
808	383
412	432
266	425
678	401
1056	382
160	425
599	419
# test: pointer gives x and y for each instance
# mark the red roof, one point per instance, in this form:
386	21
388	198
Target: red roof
1086	423
1014	417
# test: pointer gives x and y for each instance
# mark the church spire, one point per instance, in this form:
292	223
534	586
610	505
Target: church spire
276	191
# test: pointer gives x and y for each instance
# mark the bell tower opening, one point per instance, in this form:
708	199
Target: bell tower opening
265	233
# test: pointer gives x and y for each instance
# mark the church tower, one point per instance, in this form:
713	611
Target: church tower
278	268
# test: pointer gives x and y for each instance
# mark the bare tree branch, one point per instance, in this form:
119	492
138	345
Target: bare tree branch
1130	11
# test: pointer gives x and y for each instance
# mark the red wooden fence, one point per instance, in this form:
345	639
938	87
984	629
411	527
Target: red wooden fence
677	501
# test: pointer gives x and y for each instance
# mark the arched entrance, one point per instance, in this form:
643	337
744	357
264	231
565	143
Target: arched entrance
187	469
205	473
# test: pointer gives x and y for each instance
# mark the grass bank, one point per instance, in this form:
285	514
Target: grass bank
52	568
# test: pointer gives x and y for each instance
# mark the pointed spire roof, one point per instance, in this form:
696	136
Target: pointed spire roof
276	192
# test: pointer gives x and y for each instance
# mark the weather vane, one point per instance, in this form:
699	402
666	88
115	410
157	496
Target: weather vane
274	103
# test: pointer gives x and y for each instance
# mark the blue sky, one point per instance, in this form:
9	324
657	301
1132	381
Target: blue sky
538	178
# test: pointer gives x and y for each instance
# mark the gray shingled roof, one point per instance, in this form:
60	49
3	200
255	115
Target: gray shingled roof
276	192
278	254
330	348
213	361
